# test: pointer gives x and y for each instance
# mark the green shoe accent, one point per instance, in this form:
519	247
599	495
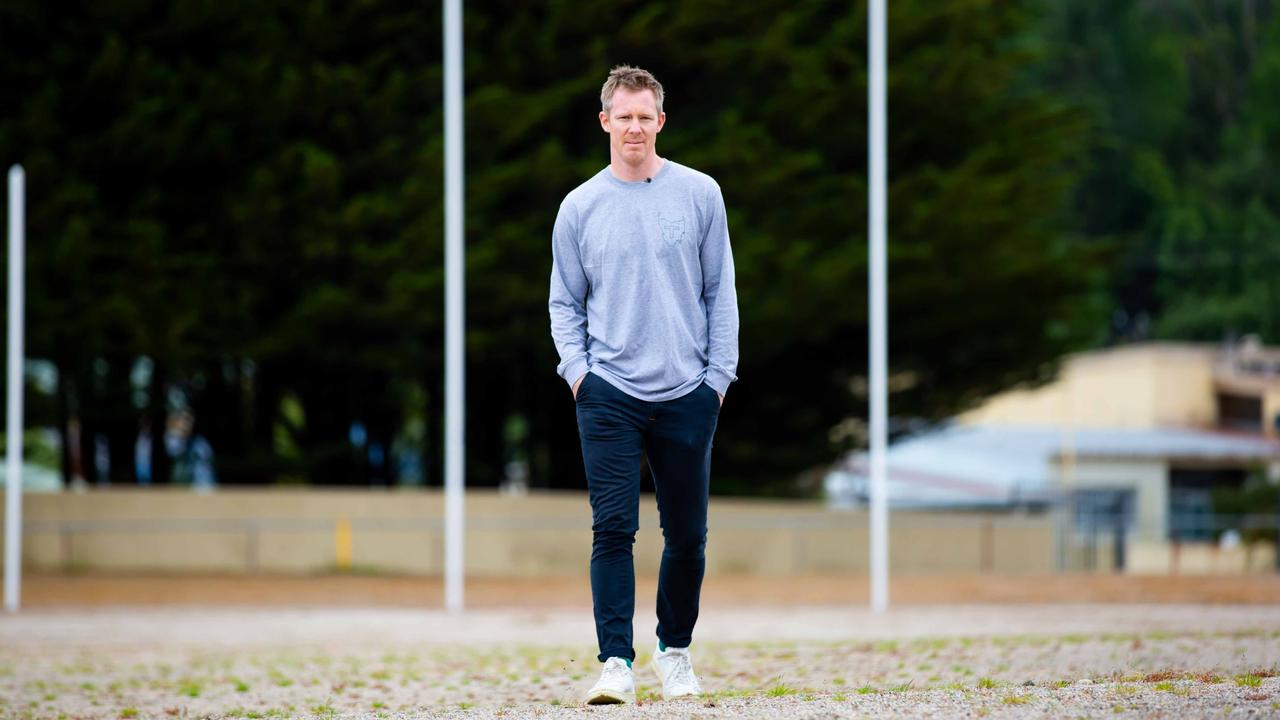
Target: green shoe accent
628	662
662	647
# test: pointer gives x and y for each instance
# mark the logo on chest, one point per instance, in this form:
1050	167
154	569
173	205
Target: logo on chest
673	230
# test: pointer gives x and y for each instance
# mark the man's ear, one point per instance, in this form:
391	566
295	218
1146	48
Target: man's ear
662	120
604	121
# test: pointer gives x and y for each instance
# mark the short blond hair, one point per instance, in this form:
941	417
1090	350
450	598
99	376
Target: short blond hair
633	79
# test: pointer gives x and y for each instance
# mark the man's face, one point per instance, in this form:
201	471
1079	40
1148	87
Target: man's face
633	124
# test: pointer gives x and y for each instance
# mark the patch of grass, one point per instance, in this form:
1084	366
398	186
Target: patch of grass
378	705
1165	686
1059	684
931	644
986	683
190	689
839	697
1016	699
1248	680
129	712
324	710
866	690
1212	678
727	693
902	687
781	690
242	686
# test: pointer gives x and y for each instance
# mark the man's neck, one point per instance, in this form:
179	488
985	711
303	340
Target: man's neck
635	173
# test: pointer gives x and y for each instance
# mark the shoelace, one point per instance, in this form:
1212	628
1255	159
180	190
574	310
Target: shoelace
615	671
681	670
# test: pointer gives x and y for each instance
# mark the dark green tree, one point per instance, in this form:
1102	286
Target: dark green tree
1178	185
249	195
770	99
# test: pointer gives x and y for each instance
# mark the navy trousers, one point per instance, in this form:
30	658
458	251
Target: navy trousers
616	431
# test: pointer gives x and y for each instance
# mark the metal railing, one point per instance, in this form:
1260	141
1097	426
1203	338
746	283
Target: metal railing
1106	541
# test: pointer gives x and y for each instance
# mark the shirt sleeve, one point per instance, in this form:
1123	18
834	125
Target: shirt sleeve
720	297
568	301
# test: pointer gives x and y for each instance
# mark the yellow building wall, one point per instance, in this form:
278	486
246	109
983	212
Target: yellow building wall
1148	480
541	534
548	534
1151	385
1271	410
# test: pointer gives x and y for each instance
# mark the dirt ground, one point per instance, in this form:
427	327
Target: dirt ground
347	646
54	590
934	661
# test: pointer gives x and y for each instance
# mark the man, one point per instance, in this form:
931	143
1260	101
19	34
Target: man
645	318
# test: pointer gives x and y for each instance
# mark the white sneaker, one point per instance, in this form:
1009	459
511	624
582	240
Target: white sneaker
617	684
675	670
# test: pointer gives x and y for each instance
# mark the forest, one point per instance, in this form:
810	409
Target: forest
235	215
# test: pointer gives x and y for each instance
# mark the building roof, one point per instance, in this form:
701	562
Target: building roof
1003	465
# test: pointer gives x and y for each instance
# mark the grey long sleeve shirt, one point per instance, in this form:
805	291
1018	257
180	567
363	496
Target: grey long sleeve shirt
642	284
